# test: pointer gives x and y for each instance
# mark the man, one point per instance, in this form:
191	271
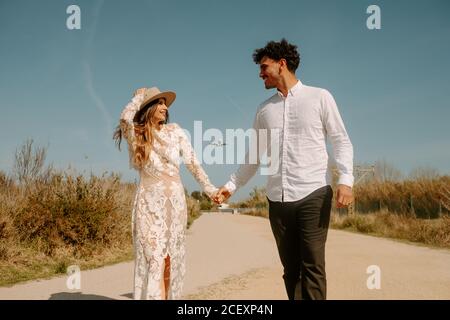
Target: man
299	193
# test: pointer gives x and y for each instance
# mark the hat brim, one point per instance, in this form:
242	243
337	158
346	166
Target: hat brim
169	96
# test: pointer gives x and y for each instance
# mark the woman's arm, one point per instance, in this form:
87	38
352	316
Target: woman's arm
127	116
193	165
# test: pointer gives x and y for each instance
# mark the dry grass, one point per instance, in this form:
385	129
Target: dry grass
423	197
50	220
257	200
66	220
49	224
432	232
193	208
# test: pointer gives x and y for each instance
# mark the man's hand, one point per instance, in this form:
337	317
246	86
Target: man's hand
344	196
221	195
139	91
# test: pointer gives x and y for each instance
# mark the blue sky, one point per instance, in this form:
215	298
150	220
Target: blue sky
66	88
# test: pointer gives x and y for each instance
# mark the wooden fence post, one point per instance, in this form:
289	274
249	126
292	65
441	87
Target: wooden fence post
440	209
351	208
411	204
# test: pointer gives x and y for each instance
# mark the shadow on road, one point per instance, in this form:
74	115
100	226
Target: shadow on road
77	296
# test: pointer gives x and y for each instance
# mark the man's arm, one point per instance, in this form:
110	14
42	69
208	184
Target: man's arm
246	170
342	147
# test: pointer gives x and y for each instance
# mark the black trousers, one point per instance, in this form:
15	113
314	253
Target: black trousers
300	229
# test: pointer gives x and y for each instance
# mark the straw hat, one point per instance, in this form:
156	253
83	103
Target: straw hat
150	95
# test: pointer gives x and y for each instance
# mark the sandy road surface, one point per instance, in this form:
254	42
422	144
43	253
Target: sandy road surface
235	257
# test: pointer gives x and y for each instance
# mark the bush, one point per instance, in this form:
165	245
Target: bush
421	198
73	212
193	208
257	200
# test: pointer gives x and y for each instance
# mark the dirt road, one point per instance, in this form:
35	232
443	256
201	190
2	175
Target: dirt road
235	257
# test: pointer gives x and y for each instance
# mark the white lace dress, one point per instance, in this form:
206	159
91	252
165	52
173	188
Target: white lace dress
159	214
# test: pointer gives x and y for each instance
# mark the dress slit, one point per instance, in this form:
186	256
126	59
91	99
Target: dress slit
166	276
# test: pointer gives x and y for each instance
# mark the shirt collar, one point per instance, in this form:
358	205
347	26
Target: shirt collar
293	91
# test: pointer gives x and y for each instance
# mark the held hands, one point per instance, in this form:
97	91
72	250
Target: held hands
221	195
344	196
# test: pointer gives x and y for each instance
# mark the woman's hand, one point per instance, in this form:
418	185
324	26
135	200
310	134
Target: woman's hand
139	91
221	195
216	198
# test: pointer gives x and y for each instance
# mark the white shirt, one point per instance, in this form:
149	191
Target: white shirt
306	118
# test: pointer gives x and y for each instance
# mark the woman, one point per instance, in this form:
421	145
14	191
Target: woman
159	216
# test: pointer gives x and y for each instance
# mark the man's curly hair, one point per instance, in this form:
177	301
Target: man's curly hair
277	51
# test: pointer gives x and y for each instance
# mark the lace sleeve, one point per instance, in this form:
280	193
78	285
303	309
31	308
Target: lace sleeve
127	124
193	165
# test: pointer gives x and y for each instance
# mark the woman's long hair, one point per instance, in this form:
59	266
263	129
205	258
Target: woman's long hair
140	151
